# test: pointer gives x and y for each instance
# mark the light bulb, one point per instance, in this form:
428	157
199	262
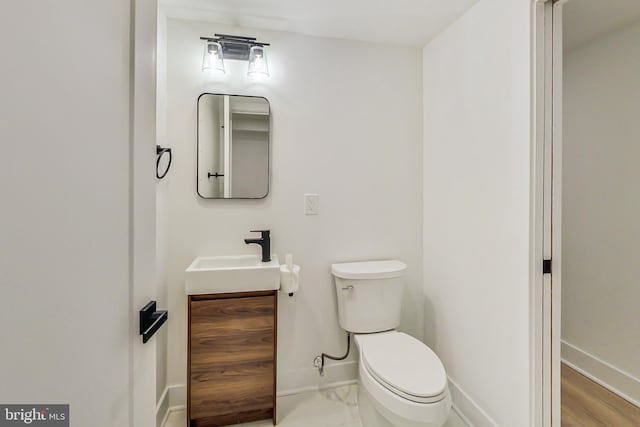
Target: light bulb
258	61
213	59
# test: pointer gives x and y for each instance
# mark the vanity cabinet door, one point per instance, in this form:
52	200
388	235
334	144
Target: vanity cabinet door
232	350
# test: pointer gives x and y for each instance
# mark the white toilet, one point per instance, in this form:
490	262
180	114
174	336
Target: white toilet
402	383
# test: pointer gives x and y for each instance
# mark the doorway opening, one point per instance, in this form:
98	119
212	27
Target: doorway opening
591	209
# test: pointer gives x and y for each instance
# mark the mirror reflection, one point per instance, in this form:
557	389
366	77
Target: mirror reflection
233	146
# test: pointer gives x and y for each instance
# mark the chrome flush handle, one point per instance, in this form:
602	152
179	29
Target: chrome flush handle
348	288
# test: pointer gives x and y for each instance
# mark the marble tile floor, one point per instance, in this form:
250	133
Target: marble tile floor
336	407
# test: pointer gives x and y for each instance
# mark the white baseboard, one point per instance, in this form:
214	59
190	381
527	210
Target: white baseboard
295	381
336	375
460	415
163	423
290	382
174	398
177	396
162	409
608	376
470	412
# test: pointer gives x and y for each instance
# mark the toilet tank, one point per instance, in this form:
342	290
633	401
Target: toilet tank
369	294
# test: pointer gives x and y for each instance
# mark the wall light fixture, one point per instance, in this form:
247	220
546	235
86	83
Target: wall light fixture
224	46
213	58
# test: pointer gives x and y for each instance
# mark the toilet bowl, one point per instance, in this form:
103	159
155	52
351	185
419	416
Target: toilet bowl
401	383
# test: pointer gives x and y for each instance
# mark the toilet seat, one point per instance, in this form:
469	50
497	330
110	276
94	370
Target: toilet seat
404	366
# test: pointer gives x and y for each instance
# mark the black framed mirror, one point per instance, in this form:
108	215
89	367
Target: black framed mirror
234	137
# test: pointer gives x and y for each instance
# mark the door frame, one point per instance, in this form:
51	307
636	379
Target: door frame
142	207
555	197
546	289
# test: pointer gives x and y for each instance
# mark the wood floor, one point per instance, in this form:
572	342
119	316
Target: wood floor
587	404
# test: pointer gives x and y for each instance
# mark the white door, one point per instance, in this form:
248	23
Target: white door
552	214
72	272
547	260
143	209
556	213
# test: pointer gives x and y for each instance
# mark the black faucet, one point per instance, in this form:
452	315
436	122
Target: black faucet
264	242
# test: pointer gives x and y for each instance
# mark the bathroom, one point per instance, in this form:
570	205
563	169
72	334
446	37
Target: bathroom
345	145
353	146
410	132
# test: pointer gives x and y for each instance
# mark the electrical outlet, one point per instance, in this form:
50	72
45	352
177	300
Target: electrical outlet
311	204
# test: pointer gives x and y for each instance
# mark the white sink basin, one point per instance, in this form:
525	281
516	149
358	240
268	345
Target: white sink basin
235	273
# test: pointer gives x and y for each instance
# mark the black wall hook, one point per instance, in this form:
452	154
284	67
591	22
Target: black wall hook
160	151
151	320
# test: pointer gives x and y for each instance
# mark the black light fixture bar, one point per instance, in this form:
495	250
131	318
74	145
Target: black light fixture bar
238	38
235	47
252	41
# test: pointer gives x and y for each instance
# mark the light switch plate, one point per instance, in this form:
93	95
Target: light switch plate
311	204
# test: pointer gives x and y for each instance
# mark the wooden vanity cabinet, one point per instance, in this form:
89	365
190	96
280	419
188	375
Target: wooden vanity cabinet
231	358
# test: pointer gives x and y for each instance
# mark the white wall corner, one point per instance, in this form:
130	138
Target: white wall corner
470	412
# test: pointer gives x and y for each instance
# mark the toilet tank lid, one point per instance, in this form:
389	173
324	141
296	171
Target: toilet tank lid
384	269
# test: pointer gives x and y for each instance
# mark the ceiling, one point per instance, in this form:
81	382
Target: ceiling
406	22
585	20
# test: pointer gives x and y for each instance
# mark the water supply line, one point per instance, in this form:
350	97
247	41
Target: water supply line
318	362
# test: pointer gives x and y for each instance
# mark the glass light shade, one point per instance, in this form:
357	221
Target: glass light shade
258	61
212	59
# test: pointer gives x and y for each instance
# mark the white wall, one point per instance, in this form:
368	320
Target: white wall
601	206
64	218
476	207
346	122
